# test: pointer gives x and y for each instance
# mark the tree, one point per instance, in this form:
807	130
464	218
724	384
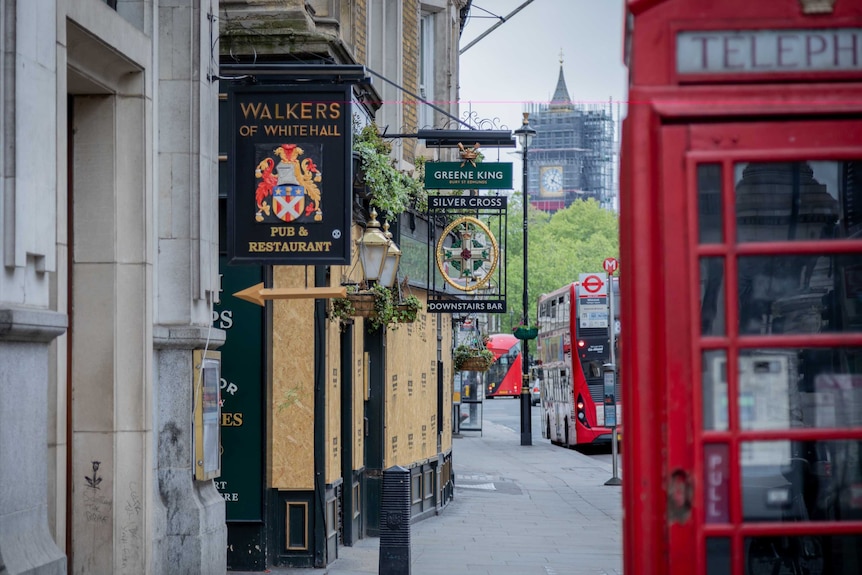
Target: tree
573	241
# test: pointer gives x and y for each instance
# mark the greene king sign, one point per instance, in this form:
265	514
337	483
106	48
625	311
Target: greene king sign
466	176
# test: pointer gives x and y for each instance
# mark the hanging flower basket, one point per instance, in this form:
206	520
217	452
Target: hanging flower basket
475	364
525	332
405	313
379	305
363	304
467	358
406	310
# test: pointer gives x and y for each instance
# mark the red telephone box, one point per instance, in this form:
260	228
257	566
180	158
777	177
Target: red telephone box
741	236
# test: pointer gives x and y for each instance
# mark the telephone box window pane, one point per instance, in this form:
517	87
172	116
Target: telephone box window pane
709	203
716	492
800	294
792	201
717	556
712	296
807	387
714	388
790	481
814	554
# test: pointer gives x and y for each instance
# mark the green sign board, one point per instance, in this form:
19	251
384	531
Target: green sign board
466	176
241	480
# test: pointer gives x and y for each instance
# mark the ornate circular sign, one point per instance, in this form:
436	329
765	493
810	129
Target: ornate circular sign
473	256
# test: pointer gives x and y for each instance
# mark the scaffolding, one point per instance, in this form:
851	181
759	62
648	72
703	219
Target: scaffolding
580	138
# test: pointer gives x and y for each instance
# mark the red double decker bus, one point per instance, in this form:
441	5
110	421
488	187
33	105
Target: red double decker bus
572	357
504	377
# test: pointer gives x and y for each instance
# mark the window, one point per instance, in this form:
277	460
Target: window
426	69
416	488
429	484
357	501
331	518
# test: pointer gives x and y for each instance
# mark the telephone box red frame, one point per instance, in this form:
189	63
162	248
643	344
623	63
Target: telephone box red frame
676	120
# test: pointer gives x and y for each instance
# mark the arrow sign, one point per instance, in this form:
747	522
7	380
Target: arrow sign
259	294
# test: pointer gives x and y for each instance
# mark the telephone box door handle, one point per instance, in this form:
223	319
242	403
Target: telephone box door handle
679	496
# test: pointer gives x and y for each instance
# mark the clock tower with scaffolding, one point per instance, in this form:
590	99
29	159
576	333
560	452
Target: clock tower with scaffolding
574	151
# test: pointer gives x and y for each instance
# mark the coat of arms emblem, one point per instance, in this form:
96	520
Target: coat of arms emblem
288	190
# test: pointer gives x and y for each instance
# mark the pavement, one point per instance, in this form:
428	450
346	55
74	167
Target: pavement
517	510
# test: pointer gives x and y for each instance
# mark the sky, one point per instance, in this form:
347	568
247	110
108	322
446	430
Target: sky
519	61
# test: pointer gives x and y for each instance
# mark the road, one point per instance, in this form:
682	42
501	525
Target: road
507	412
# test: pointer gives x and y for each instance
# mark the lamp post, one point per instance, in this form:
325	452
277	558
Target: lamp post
525	136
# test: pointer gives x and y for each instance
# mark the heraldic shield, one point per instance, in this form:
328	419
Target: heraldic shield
288	202
288	191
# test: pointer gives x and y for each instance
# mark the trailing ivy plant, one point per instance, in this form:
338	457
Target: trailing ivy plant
391	191
384	307
341	308
389	311
406	310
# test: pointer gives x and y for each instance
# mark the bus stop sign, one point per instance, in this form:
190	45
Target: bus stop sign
593	285
610	265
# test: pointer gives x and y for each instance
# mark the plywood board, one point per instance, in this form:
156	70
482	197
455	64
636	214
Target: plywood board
291	437
333	448
360	393
411	390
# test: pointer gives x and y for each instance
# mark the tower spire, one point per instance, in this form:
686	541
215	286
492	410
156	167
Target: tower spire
561	101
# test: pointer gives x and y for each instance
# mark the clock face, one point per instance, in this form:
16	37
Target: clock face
552	179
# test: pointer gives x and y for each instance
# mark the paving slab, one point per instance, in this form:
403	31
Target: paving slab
517	510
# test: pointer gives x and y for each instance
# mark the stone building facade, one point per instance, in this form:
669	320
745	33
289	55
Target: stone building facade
111	286
341	402
109	235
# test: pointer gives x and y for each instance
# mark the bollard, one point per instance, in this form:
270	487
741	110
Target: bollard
395	522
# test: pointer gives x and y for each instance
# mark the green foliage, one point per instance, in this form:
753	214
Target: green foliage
384	305
406	310
389	309
463	352
573	241
341	308
391	190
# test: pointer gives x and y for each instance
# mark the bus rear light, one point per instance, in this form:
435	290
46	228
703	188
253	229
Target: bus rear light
581	343
580	413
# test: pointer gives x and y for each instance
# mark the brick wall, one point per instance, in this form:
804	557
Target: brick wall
360	27
410	74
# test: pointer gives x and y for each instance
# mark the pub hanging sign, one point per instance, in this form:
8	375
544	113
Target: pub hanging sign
289	200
